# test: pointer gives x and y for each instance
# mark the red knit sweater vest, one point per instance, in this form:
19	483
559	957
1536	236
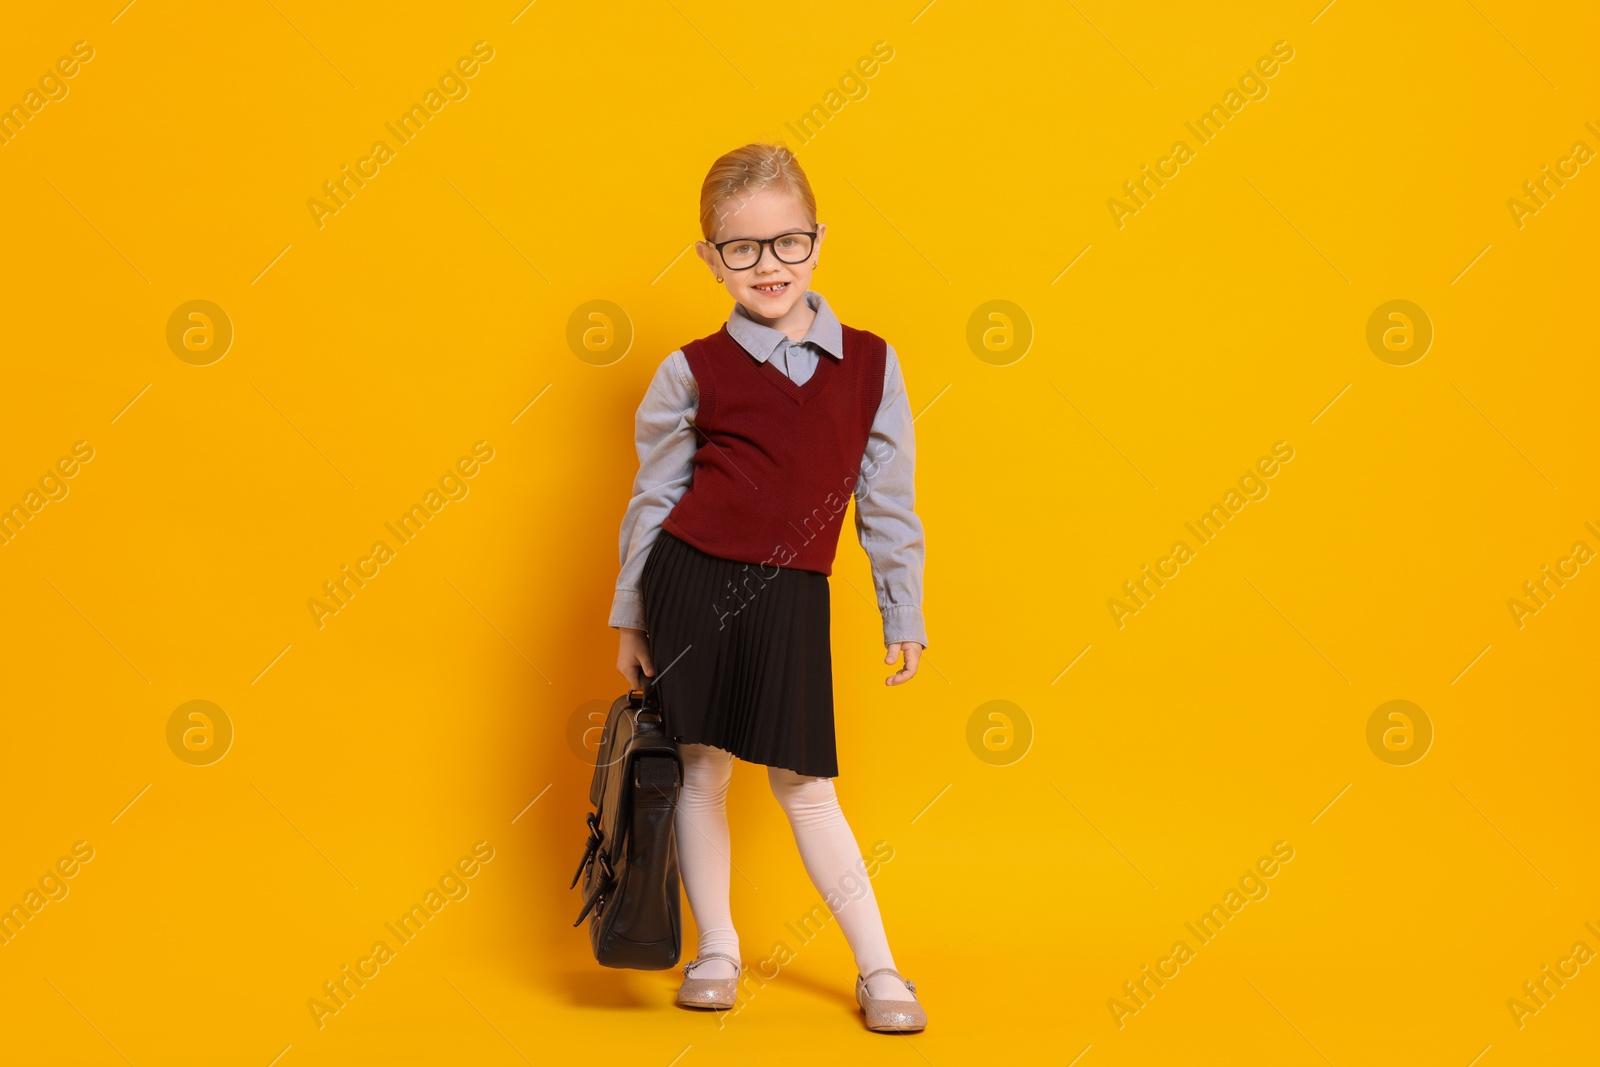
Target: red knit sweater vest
777	462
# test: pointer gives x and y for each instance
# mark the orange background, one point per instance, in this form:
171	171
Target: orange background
1039	861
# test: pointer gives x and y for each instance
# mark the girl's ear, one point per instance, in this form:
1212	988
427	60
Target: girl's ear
709	254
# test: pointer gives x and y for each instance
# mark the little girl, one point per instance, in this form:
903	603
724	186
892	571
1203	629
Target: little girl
751	441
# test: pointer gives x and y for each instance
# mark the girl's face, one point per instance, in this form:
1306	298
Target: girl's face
771	289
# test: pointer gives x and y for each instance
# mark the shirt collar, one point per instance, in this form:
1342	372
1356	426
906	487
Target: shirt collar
762	342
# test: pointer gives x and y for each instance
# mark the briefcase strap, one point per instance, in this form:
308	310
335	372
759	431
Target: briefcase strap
651	702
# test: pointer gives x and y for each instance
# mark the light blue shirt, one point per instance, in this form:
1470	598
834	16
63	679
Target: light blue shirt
886	523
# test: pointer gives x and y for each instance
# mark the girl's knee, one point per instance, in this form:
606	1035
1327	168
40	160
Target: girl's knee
707	770
801	793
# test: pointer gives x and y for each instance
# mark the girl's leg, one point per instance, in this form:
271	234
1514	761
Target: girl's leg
832	859
701	827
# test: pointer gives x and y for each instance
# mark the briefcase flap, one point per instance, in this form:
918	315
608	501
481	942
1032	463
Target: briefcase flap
621	722
647	750
624	729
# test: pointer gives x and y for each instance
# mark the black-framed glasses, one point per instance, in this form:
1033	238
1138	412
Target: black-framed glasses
742	253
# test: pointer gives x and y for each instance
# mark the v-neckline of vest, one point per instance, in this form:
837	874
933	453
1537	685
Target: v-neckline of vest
813	385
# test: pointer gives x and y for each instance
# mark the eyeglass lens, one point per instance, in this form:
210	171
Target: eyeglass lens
789	248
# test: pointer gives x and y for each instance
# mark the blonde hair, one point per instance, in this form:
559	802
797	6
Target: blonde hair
750	169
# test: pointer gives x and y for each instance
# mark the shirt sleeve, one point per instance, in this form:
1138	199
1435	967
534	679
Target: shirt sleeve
886	519
665	442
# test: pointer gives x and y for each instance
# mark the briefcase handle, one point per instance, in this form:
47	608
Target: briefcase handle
647	699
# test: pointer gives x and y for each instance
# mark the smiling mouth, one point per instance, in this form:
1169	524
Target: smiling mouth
772	288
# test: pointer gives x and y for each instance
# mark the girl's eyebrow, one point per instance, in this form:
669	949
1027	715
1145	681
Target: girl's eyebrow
779	234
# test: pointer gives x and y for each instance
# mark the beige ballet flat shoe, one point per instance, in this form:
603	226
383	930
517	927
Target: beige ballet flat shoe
717	993
890	1016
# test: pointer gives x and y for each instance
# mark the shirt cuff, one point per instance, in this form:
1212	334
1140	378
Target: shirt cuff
627	609
903	624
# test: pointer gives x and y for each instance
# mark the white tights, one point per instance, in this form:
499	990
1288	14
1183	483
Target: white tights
827	848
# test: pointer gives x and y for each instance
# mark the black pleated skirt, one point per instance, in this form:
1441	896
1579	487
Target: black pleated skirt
742	656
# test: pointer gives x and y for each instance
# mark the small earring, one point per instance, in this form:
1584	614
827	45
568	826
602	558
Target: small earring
719	277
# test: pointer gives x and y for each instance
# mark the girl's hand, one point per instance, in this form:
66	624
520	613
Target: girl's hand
913	651
633	655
